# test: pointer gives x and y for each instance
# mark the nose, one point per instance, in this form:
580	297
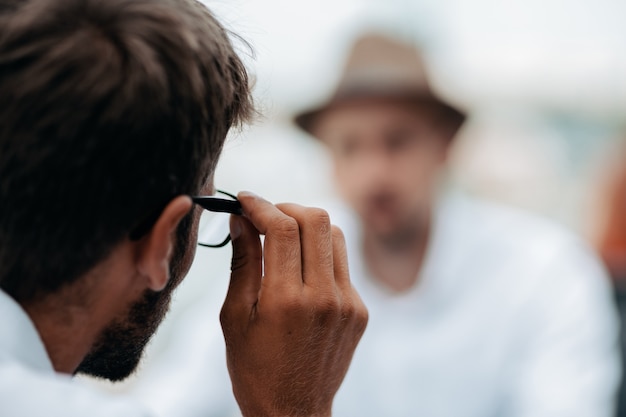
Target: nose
375	166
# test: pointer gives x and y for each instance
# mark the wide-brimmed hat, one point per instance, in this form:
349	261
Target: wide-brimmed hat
380	66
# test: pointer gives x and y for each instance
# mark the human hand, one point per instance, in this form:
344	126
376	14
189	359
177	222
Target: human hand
291	318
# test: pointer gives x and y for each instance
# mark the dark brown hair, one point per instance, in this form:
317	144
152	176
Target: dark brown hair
108	109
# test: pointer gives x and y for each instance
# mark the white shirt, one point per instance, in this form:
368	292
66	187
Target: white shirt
511	317
29	387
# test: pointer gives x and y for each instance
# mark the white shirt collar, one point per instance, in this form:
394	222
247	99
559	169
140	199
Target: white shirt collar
443	214
19	340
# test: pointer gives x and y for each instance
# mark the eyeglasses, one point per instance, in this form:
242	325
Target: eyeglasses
214	231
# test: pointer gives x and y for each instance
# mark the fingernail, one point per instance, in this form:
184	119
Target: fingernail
248	194
235	227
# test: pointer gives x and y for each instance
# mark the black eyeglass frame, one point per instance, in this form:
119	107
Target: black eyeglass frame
219	205
210	203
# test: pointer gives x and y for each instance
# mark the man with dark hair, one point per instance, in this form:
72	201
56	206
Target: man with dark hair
113	115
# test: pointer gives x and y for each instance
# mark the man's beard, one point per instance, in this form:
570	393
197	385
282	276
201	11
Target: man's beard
117	353
120	346
408	231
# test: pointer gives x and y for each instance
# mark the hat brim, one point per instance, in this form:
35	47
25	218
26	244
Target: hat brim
452	117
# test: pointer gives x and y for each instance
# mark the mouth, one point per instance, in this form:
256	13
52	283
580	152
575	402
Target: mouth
380	206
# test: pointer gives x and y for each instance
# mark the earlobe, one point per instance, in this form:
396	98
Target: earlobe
155	249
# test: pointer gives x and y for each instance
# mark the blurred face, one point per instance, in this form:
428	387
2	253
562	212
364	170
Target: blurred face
387	157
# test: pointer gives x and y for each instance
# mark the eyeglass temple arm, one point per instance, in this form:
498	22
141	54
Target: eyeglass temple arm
219	205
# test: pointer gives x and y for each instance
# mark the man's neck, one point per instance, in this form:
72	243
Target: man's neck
396	266
66	334
71	320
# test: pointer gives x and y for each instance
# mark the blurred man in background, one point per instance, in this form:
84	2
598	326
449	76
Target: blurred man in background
476	310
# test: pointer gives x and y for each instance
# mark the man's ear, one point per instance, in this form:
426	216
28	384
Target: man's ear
154	250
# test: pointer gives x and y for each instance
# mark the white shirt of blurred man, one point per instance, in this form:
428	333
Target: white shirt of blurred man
476	310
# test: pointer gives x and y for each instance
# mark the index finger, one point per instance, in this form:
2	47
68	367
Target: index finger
282	250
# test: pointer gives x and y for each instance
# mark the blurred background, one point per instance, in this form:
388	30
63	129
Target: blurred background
544	83
543	80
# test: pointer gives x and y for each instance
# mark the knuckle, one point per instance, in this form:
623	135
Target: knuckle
241	260
339	243
327	307
361	318
348	311
290	303
320	308
238	261
225	315
286	226
363	315
319	221
355	309
337	234
319	217
228	327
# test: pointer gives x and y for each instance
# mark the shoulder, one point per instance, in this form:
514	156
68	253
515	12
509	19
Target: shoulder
530	253
506	230
26	392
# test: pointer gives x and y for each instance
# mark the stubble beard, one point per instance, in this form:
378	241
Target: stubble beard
119	348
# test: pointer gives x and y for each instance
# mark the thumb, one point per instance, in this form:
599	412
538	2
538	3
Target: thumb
246	270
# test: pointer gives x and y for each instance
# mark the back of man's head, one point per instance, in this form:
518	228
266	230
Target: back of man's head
108	109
